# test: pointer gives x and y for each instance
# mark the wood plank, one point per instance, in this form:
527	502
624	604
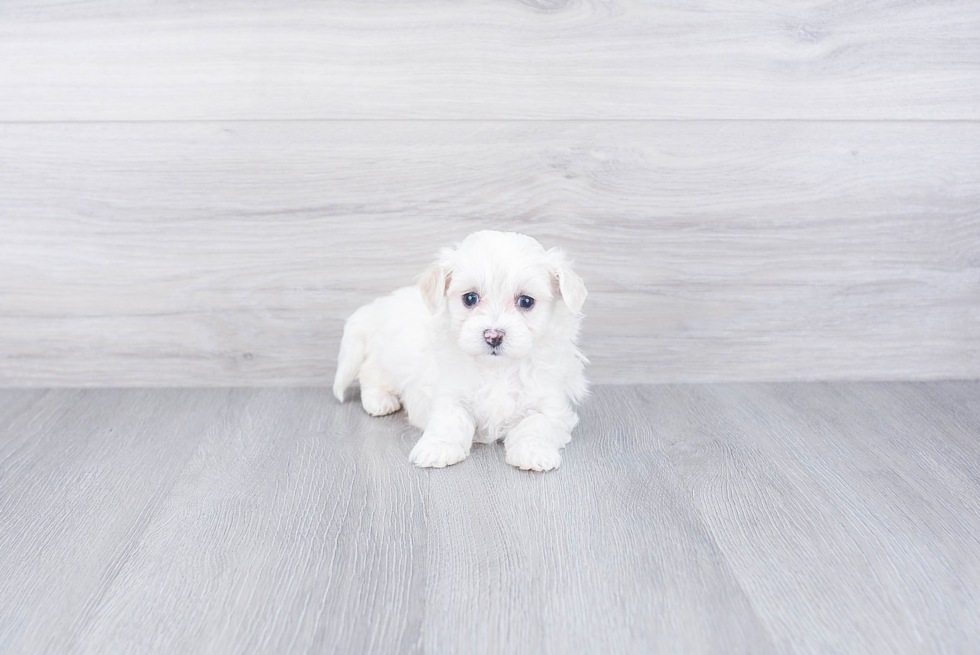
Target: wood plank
707	518
82	473
230	253
838	507
958	399
605	555
631	59
298	526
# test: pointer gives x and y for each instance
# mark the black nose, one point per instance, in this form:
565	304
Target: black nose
493	337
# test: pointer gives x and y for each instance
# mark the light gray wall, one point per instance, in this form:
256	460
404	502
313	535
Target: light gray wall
196	195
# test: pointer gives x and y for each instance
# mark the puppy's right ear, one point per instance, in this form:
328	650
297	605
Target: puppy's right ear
434	283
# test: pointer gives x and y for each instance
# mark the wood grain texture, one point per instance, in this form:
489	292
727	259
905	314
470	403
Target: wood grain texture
82	473
230	253
298	526
856	500
607	556
528	59
789	518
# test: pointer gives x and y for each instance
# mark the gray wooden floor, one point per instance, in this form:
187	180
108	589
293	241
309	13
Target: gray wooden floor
704	518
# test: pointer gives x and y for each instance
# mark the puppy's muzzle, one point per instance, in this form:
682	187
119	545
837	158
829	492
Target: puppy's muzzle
493	337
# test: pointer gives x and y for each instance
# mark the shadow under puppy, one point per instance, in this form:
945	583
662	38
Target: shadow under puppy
483	348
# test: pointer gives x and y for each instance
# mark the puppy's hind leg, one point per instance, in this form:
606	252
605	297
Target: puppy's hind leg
378	401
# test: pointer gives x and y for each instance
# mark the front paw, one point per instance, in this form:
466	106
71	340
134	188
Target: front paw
531	455
432	453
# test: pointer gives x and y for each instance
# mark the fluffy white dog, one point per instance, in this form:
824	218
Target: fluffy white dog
482	349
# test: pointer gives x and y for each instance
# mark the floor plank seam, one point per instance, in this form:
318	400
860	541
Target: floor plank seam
88	612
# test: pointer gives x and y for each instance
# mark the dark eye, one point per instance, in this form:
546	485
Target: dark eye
525	302
470	299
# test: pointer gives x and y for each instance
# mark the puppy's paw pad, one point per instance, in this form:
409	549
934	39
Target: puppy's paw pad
437	454
378	402
533	456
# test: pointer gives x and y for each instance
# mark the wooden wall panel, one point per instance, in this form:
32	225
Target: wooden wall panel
518	59
225	253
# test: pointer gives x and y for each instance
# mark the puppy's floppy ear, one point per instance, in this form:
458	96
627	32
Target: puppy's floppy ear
570	286
435	281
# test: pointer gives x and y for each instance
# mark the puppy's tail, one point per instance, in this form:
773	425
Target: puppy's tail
353	350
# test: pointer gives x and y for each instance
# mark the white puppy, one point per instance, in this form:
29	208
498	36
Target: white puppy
482	349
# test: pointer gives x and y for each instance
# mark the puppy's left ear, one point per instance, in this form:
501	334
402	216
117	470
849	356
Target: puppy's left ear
434	283
570	285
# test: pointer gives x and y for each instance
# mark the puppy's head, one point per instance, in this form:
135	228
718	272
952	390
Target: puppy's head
500	291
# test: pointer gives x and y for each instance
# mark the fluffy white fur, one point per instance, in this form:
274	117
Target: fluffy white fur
424	349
